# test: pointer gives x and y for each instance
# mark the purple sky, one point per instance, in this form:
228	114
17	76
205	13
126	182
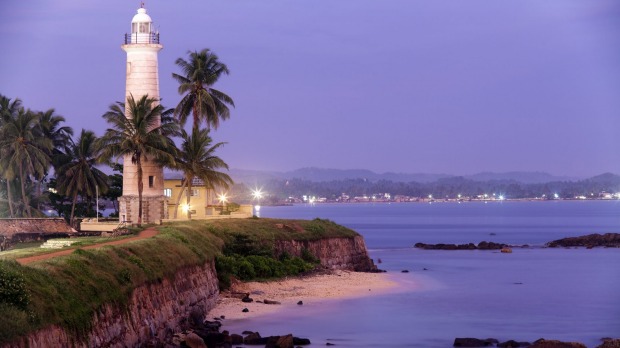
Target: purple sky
452	87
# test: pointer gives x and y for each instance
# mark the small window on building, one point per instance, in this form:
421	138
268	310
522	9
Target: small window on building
151	181
195	193
168	193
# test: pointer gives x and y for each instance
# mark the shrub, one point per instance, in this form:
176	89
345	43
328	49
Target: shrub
245	269
13	289
307	256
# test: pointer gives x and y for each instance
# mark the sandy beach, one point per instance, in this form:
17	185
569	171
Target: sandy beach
310	289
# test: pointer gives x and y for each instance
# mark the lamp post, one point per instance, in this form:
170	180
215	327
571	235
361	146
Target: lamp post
222	198
257	194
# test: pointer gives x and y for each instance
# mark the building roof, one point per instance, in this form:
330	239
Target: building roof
10	227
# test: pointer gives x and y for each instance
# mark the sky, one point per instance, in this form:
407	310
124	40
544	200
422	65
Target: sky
455	87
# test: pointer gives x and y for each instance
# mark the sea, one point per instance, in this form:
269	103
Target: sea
568	294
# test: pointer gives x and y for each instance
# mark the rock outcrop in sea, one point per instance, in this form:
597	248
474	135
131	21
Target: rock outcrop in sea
610	240
484	245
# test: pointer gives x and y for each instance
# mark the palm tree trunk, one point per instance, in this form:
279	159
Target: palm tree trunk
176	209
24	196
188	195
8	195
140	184
72	217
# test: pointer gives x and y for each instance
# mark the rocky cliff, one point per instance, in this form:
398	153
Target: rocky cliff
155	311
335	253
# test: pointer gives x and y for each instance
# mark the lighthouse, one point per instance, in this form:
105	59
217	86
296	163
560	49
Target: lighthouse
142	47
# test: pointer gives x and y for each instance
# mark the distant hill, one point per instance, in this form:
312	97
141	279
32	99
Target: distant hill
314	174
522	177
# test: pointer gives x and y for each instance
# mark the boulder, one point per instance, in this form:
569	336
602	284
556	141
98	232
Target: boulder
254	338
471	342
301	341
610	343
543	343
513	344
484	245
284	342
300	303
247	299
506	250
270	302
194	341
236	339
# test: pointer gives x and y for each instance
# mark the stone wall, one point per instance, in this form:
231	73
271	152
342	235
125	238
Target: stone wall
155	310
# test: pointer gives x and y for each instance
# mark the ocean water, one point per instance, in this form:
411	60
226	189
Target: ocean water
565	294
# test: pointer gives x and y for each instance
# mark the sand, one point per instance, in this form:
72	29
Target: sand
311	290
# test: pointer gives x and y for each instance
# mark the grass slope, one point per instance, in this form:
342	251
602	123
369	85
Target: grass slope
68	290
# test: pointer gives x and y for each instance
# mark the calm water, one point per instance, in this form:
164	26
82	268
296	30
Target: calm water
566	294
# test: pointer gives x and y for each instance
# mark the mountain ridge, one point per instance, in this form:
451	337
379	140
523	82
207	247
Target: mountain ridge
316	174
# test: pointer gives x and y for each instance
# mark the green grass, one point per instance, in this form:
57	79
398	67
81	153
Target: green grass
21	250
68	290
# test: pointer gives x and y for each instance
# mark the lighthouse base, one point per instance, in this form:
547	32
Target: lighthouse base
153	209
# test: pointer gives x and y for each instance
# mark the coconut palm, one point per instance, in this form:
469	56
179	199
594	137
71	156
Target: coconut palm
51	128
141	131
8	111
200	73
197	159
23	152
78	175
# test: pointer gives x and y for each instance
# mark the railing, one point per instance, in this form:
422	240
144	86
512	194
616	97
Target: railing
141	38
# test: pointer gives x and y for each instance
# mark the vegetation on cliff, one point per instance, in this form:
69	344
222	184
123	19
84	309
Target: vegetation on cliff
68	290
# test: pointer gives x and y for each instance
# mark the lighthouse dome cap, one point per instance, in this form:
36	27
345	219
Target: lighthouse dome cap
141	17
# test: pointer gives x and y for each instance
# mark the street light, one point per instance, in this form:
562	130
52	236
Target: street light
257	194
223	198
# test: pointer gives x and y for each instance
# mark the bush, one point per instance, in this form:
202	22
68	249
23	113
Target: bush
245	270
13	289
307	256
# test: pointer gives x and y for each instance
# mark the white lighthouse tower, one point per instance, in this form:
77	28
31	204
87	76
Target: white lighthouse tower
142	47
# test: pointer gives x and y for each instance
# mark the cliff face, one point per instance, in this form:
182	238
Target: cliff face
155	310
158	310
334	253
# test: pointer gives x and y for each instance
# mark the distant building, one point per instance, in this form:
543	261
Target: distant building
203	201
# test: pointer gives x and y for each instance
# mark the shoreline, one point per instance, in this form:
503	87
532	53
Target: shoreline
311	290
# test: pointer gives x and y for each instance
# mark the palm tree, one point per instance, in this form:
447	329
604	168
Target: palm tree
141	131
197	159
23	151
200	73
78	174
8	111
50	127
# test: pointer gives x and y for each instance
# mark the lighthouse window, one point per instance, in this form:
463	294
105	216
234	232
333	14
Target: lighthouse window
144	27
134	27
